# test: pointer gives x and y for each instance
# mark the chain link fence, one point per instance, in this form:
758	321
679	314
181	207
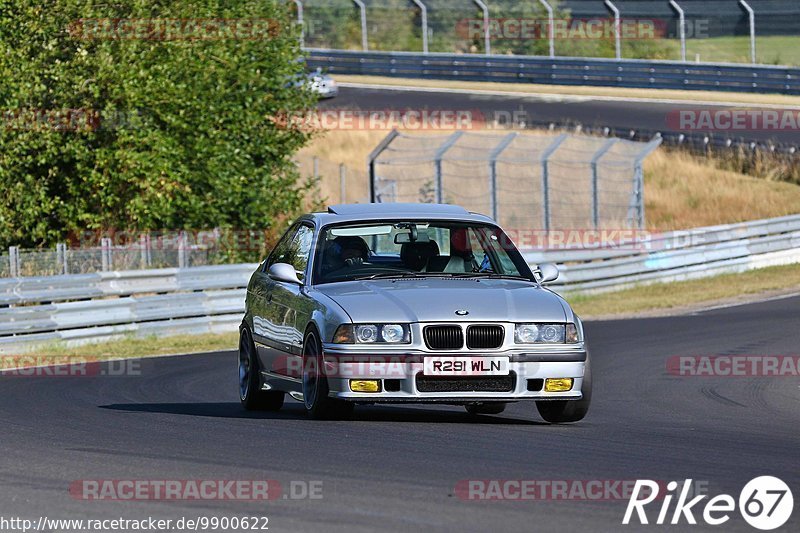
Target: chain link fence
335	182
687	30
537	181
126	251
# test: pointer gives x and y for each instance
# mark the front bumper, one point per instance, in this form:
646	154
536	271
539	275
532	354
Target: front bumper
401	377
326	91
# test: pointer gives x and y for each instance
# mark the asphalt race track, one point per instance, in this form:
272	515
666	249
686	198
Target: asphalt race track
585	110
396	468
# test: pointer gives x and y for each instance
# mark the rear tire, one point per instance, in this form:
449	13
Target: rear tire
250	393
562	411
318	404
488	408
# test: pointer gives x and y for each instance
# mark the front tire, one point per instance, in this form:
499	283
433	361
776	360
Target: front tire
562	411
250	393
318	404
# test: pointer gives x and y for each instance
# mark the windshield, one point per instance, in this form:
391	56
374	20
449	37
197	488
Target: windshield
416	249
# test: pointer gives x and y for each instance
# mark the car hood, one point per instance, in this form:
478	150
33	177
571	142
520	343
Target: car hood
435	300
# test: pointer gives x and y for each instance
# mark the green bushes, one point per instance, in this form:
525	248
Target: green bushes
129	127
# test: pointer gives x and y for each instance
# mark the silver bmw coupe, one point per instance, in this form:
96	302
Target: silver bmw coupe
408	303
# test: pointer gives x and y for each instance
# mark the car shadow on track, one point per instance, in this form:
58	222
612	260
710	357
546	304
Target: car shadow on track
295	412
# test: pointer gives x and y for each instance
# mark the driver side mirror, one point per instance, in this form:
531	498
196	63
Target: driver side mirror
284	272
546	272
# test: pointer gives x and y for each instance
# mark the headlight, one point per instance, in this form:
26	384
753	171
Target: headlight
366	334
372	334
545	333
526	333
393	333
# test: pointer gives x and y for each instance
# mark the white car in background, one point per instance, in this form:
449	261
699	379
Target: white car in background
322	84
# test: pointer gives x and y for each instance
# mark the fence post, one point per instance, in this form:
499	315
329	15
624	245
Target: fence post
487	39
13	261
300	22
639	197
424	14
595	196
637	207
342	183
182	244
615	11
546	179
373	156
364	39
550	29
508	139
438	163
682	27
752	18
105	254
61	258
144	248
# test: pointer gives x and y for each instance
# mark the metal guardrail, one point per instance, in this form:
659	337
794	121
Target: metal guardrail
676	255
108	305
61	288
631	73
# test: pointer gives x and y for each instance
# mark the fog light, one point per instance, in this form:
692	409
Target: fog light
365	385
557	384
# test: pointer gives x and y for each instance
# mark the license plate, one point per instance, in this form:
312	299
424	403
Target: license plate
465	366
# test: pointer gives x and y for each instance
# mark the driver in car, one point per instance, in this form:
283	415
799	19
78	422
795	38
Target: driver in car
344	252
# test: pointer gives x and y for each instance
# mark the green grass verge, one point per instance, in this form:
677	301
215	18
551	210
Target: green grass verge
129	347
686	294
770	49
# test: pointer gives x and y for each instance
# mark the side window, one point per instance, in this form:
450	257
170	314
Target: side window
300	249
281	250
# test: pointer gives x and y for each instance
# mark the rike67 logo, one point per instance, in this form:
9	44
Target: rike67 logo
765	503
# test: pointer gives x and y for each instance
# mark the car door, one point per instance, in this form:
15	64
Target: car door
292	304
267	316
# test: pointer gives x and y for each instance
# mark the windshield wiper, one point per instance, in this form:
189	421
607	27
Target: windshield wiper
492	275
460	275
387	275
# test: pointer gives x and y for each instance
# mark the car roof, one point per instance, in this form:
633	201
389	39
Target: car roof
397	210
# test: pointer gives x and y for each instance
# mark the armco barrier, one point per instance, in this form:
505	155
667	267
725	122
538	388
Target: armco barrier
110	305
91	307
631	73
676	255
